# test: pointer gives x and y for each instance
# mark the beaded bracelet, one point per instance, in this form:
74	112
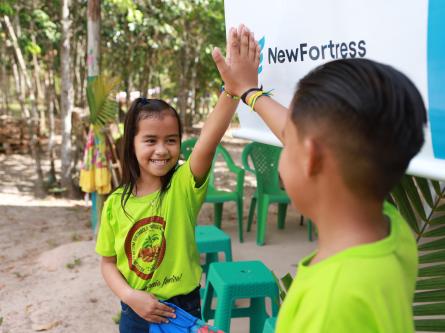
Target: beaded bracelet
225	92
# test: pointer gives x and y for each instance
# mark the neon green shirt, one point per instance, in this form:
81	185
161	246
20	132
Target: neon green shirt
364	289
155	249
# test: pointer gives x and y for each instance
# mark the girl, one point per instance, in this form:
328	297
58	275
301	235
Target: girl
146	238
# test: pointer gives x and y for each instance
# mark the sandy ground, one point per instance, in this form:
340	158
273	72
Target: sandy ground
49	273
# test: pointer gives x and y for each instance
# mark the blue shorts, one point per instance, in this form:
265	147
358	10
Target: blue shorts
131	322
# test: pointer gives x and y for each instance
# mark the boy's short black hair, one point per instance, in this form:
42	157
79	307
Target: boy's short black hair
370	115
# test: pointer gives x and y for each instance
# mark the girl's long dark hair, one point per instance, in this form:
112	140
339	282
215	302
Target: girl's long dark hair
141	108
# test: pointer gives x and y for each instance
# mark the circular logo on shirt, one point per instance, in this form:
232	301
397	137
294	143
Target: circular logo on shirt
145	246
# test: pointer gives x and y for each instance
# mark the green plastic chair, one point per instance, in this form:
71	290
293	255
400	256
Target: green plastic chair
265	167
269	325
229	281
211	241
219	197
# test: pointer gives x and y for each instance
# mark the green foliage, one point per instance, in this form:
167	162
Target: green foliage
76	262
6	9
284	284
103	106
117	318
421	202
46	27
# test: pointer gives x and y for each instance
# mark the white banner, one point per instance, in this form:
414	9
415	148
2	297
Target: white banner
295	36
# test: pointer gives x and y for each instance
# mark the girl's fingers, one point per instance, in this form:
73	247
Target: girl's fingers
156	319
233	43
162	307
244	47
252	47
257	55
165	314
219	60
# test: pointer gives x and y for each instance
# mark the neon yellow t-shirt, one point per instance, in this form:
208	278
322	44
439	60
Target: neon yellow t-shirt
155	249
364	289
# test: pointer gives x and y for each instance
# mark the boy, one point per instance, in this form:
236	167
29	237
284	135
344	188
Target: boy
348	136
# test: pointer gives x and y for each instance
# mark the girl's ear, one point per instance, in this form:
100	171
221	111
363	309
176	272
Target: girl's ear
313	159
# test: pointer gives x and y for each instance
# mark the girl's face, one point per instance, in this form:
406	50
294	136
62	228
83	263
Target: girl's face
157	145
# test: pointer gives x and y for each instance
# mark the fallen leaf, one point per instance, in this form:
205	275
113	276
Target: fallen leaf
46	326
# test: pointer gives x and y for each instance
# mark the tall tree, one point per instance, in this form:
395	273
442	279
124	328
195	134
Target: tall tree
66	100
27	91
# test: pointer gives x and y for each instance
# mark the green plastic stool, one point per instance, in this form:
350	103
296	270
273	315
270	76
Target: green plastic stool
235	280
211	241
269	325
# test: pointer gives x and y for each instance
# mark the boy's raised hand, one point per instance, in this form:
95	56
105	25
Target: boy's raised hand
239	70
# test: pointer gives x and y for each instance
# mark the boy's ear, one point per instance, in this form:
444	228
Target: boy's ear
313	159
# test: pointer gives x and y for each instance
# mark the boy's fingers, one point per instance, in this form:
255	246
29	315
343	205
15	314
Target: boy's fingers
257	55
219	60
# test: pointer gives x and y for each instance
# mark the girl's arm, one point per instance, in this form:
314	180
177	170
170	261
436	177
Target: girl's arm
214	128
143	303
219	120
243	75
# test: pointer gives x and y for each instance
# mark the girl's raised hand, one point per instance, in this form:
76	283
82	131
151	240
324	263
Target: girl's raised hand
239	70
148	307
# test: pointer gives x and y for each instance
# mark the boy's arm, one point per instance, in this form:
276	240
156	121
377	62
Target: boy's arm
273	113
143	303
244	75
219	119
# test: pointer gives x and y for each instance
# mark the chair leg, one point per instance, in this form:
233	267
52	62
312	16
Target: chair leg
263	207
309	230
218	214
206	307
239	206
258	314
251	213
282	209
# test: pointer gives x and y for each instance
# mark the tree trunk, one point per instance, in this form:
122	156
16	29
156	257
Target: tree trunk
4	79
38	88
93	56
49	91
66	100
32	118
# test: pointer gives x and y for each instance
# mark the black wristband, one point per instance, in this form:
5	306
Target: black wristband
243	96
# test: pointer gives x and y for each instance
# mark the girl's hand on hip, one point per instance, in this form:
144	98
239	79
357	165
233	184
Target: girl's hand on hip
148	307
239	70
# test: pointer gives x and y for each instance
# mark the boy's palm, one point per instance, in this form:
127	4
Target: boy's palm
239	70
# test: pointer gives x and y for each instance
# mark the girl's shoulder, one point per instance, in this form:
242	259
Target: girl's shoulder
114	196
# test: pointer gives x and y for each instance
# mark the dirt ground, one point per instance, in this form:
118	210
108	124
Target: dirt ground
49	272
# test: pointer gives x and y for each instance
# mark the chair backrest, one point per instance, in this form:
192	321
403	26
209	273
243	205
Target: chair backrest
265	164
187	148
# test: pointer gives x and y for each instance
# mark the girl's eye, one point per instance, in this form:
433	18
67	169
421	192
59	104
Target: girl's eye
172	141
150	141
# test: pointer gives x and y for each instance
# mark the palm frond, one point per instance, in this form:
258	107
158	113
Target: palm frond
100	95
421	202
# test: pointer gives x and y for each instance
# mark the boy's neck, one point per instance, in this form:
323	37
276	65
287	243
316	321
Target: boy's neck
343	224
